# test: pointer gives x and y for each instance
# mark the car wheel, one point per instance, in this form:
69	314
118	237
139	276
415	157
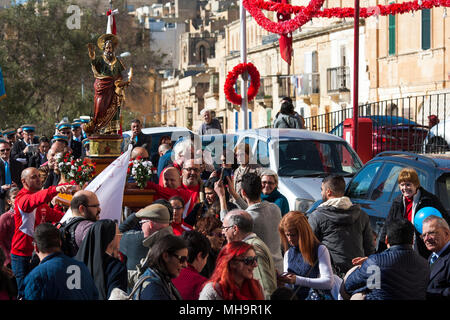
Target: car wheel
437	145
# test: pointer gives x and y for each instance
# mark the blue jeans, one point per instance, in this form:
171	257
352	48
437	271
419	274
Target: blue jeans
20	266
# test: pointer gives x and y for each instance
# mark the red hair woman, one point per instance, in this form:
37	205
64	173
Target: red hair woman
306	261
233	276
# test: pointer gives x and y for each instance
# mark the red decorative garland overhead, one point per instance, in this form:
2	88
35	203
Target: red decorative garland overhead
254	7
304	14
232	76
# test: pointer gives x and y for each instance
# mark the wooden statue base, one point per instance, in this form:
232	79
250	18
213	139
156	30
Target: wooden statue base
133	198
137	198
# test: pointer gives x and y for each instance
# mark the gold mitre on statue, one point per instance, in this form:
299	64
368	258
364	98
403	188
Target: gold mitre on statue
105	37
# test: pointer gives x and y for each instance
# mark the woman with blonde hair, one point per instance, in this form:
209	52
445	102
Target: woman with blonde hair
307	262
413	197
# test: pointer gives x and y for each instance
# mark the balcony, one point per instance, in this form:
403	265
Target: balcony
264	95
338	80
309	84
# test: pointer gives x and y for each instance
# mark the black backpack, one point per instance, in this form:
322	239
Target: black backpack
67	231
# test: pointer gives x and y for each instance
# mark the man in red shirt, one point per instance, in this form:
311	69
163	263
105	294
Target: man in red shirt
30	210
188	188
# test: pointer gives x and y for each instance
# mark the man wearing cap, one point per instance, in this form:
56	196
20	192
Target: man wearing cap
76	131
10	171
9	135
109	84
19	134
154	220
22	149
65	129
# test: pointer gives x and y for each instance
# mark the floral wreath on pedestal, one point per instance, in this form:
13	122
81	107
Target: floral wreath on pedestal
255	83
140	170
75	171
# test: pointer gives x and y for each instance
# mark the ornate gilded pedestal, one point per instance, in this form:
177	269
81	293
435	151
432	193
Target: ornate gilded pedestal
104	146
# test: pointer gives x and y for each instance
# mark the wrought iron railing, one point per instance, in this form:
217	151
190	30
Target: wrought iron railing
419	124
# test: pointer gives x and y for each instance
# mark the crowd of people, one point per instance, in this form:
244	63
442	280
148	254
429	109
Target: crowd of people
207	235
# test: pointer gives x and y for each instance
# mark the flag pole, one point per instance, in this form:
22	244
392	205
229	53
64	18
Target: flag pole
244	78
355	76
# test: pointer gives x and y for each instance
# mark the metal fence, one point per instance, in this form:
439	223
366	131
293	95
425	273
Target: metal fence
419	124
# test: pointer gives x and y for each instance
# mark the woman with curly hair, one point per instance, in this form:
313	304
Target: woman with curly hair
233	276
211	227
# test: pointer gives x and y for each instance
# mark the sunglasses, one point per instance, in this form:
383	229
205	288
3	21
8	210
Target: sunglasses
249	261
217	234
181	259
3	150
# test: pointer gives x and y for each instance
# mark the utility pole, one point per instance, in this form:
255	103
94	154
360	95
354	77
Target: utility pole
244	79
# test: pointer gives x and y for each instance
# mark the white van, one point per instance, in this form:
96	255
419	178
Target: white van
301	158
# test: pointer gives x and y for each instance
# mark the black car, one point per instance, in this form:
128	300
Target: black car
375	185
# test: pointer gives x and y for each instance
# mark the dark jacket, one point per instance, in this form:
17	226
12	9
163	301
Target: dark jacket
214	127
143	140
76	147
16	170
439	285
403	275
19	146
157	287
397	211
131	246
36	161
344	229
55	279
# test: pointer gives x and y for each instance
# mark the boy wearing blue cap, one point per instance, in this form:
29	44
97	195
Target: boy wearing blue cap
65	129
76	131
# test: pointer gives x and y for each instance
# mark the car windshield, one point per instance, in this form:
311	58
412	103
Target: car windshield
305	158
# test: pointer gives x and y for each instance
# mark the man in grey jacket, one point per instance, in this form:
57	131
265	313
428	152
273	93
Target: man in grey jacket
266	216
341	225
238	226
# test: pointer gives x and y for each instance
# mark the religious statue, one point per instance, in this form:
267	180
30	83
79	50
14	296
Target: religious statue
111	79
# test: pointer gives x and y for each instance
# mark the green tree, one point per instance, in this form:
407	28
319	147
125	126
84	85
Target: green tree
46	66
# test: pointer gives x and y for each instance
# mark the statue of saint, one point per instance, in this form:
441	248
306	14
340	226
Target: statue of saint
110	74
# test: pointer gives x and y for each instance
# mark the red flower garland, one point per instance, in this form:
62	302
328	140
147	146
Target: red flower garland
232	76
283	27
304	14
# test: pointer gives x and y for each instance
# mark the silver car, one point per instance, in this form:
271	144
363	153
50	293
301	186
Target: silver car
301	159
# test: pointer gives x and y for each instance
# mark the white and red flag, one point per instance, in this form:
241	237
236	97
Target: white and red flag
111	26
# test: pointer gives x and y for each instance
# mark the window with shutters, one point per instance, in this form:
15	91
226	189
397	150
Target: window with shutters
426	29
391	34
